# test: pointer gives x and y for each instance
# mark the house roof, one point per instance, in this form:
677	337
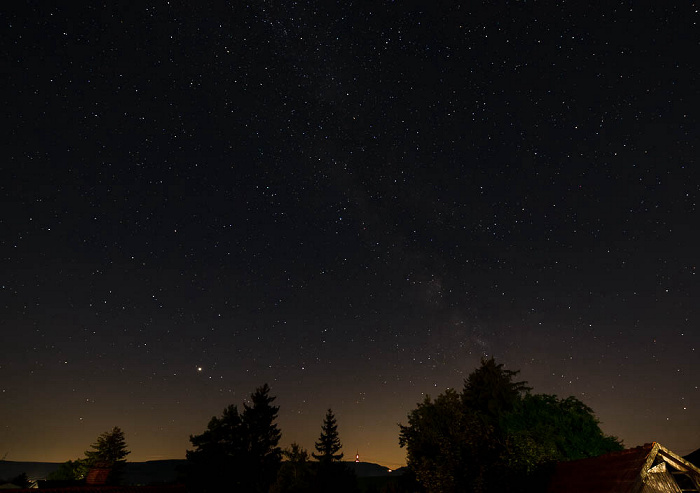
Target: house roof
98	476
625	471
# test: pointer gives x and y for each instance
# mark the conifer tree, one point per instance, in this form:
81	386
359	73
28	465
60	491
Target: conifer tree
328	444
110	447
109	450
264	455
238	451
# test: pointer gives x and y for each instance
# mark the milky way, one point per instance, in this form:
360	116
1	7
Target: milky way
351	202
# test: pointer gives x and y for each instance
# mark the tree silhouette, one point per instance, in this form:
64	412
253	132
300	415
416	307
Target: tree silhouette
448	447
20	481
295	474
110	447
496	436
328	444
72	470
330	473
238	450
263	437
109	451
491	392
562	429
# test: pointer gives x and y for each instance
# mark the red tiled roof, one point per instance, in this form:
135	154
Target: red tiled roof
618	472
97	476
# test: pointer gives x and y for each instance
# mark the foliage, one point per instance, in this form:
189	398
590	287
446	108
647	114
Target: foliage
388	484
295	474
329	473
72	470
109	448
446	444
21	480
328	444
495	435
239	449
263	436
334	476
299	475
563	429
490	391
109	451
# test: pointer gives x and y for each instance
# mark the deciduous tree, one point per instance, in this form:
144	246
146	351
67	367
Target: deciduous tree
296	474
20	481
447	445
72	470
491	392
495	435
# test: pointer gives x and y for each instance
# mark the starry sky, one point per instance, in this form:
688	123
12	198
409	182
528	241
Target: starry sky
351	201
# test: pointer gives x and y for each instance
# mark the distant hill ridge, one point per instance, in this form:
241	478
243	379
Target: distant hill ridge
149	472
155	471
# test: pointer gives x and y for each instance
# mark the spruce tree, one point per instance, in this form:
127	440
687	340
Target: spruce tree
328	444
264	454
238	451
109	450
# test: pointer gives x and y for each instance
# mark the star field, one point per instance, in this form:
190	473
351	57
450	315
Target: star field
351	202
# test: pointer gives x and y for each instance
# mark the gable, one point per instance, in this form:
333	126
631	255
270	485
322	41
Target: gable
650	468
670	472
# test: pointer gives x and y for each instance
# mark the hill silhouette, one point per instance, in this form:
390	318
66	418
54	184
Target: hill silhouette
156	471
34	470
137	473
369	469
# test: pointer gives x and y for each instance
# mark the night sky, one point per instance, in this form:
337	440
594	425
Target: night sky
353	202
